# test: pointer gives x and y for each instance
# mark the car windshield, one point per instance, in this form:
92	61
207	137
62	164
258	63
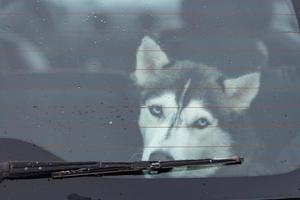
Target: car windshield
157	80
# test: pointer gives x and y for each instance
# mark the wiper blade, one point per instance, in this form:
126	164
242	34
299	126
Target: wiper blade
59	170
144	167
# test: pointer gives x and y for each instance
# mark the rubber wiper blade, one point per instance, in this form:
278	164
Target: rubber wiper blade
60	170
144	167
37	169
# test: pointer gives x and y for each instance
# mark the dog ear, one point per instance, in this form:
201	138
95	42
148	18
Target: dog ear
149	59
242	91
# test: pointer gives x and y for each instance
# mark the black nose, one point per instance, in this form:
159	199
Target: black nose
160	156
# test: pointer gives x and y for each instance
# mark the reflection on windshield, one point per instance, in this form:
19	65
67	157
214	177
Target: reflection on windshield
156	80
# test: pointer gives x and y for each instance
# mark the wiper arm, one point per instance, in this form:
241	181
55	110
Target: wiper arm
59	170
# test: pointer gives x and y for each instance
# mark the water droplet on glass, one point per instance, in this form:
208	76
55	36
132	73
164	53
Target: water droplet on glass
35	107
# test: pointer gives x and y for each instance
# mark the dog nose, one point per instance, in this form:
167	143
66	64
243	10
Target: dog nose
160	156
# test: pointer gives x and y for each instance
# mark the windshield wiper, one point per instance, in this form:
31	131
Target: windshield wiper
58	170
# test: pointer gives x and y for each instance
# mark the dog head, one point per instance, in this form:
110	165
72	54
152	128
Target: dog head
187	108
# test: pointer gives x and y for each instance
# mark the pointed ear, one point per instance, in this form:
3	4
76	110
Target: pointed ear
149	59
242	91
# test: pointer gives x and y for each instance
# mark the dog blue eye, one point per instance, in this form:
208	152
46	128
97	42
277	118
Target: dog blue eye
156	111
201	123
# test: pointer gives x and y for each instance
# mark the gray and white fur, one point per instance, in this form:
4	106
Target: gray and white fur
193	111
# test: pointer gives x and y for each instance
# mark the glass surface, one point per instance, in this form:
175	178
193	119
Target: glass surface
135	80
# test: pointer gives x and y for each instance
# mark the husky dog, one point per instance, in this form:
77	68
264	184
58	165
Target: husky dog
192	111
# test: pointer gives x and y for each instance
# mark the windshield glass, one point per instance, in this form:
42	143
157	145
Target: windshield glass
130	80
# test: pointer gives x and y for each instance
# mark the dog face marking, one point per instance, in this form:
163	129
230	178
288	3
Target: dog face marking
190	135
183	110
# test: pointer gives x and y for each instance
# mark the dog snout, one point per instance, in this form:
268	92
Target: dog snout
160	156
